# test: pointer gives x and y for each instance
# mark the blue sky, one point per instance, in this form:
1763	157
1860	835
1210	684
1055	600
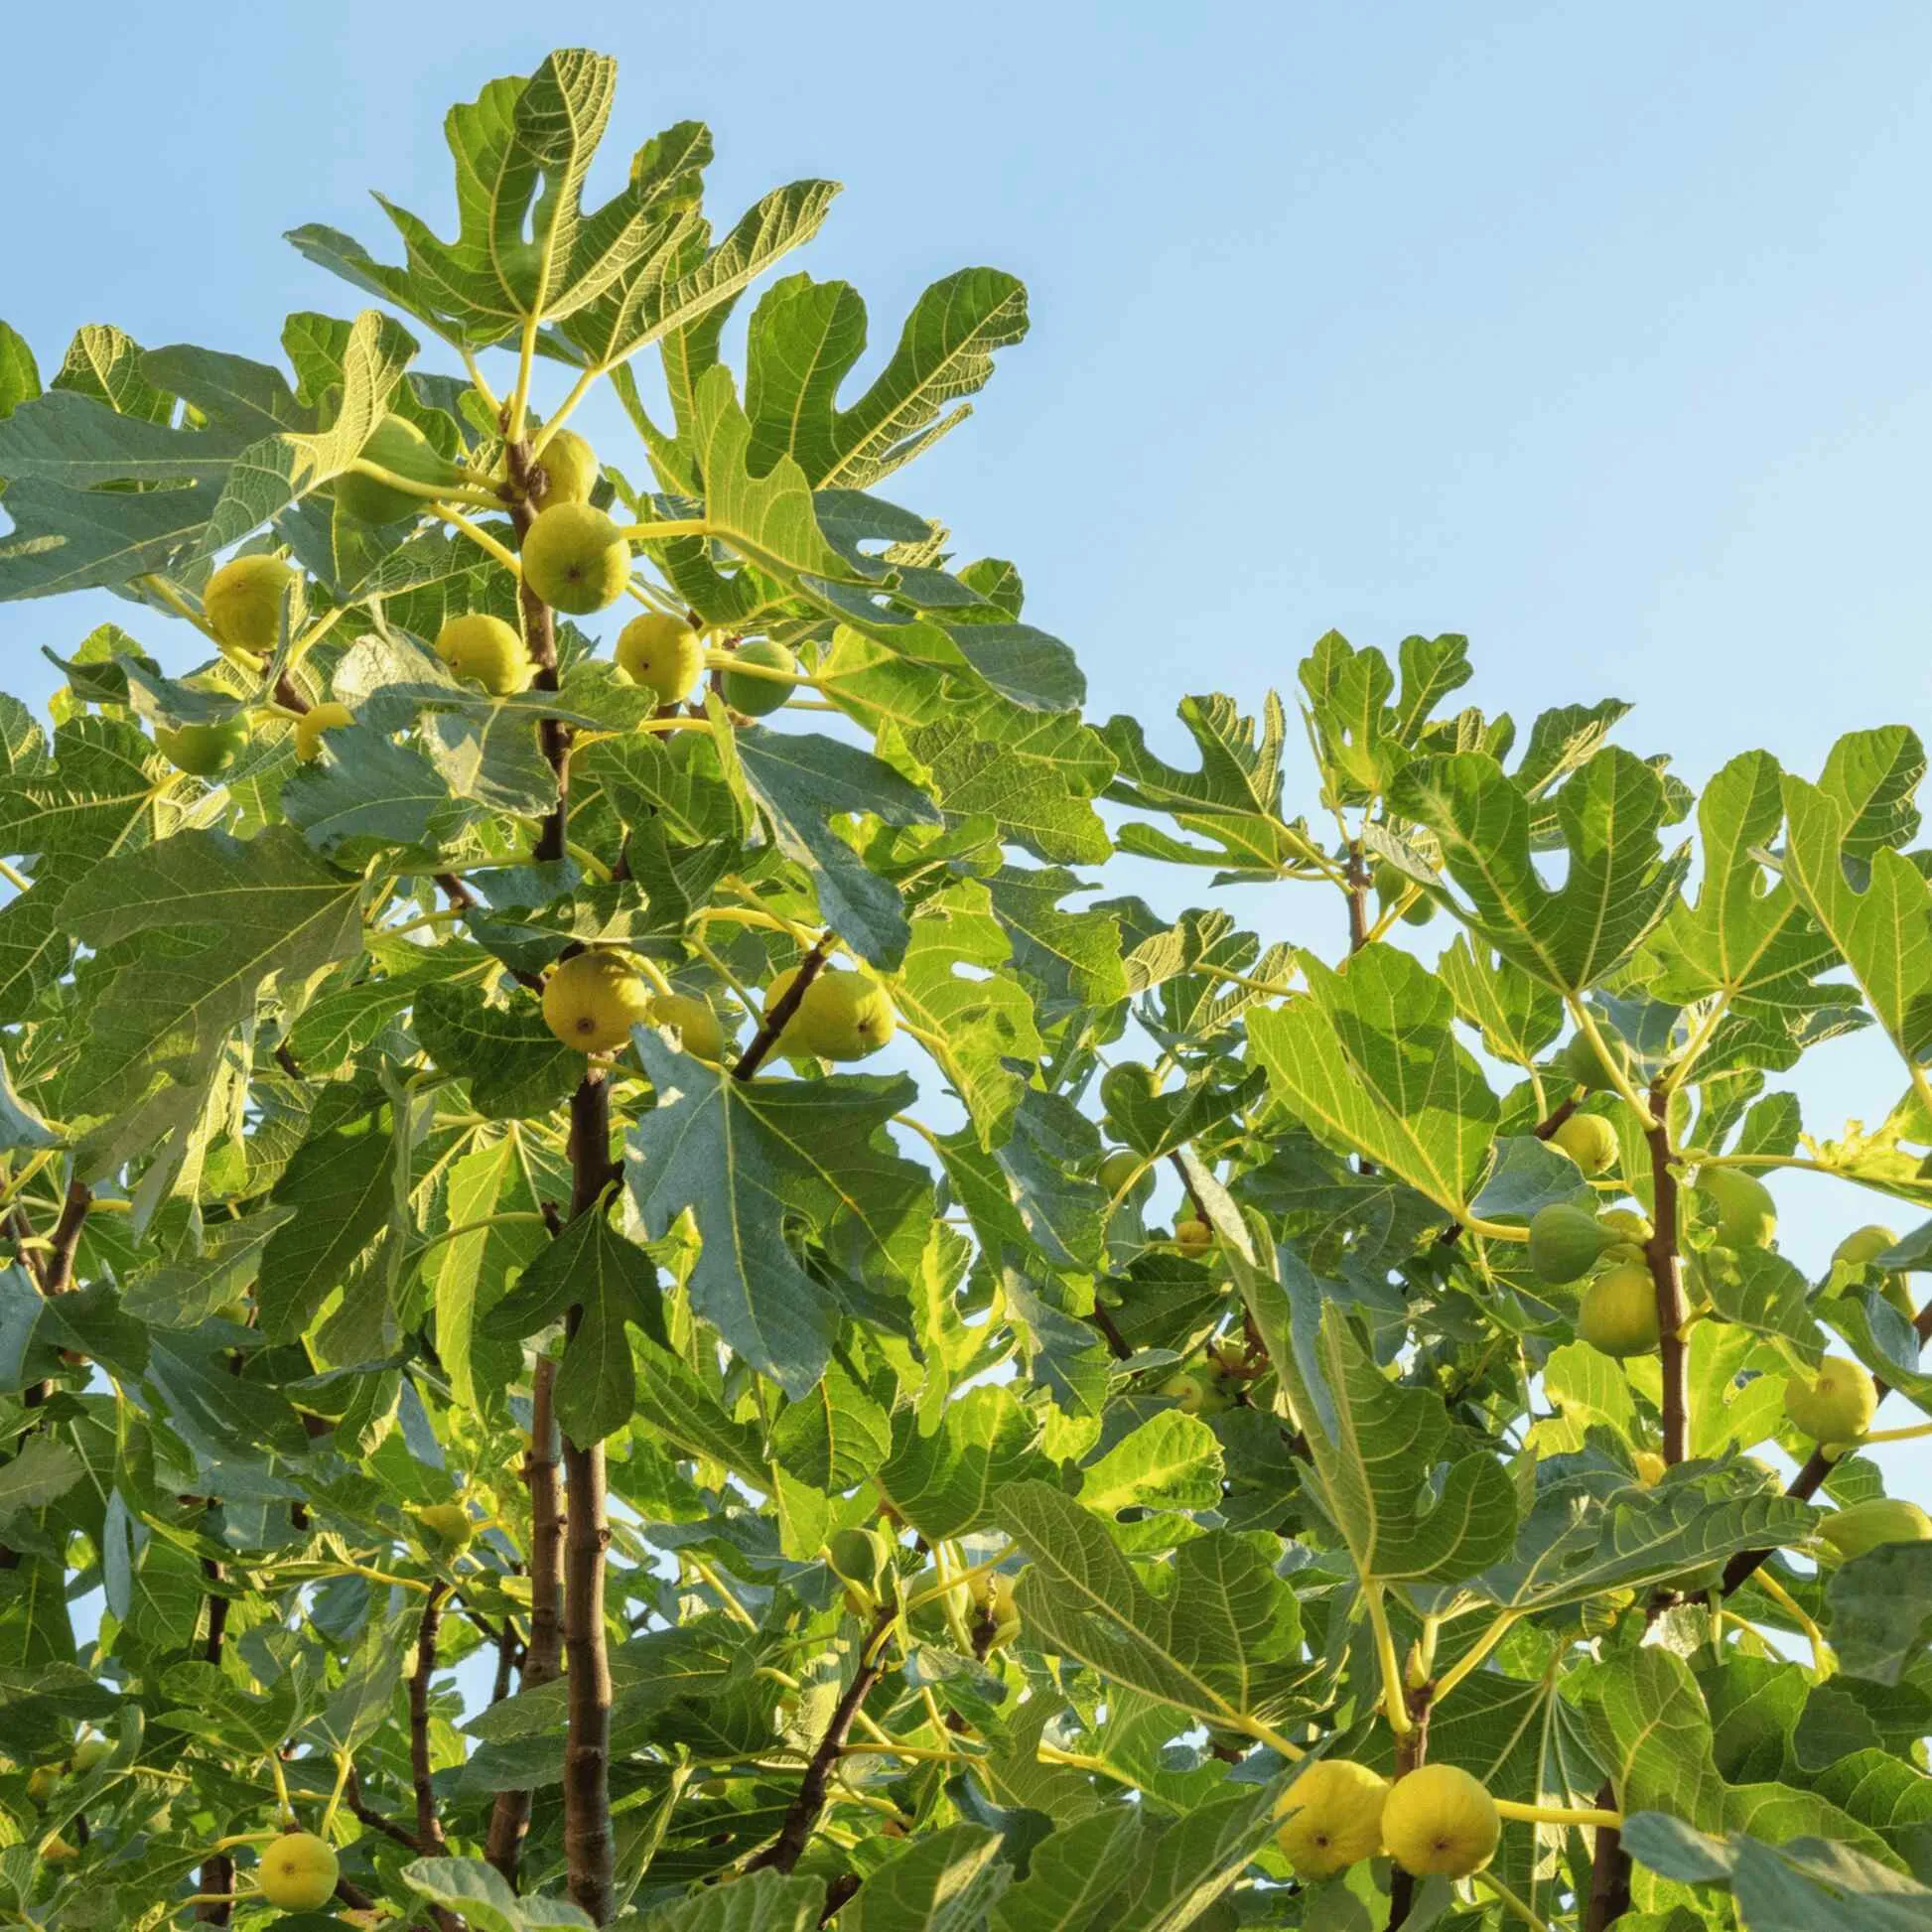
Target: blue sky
1600	336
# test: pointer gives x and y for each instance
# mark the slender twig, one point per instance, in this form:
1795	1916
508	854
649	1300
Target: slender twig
429	1827
781	1010
785	1851
361	1809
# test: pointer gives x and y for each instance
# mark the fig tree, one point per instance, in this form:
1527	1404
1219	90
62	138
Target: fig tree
317	719
1746	1216
488	651
1439	1821
591	1000
1339	1820
576	559
842	1016
298	1872
1590	1141
402	449
662	654
1833	1405
1565	1243
703	1031
1884	1519
203	750
1618	1312
745	691
243	603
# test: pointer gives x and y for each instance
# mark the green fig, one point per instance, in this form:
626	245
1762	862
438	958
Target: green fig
1565	1243
756	696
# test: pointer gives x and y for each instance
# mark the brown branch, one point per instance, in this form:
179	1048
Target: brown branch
359	1808
1410	1752
588	1847
784	1850
1360	879
57	1277
218	1870
1660	1251
778	1015
540	634
1610	1872
1117	1343
429	1827
1560	1113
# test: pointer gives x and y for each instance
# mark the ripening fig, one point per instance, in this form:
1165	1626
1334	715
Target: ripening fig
1836	1406
402	449
1587	1067
1340	1822
56	1851
1746	1215
1618	1312
576	559
1565	1243
703	1032
842	1016
570	469
42	1780
1651	1467
1867	1525
203	750
450	1523
488	651
1120	1169
1864	1245
662	654
1124	1087
862	1560
995	1610
745	691
1197	1392
1439	1820
591	1000
1625	1225
90	1752
317	719
298	1872
243	603
1590	1141
1193	1235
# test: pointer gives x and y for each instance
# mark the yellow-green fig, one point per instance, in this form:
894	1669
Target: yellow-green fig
319	718
1193	1235
995	1610
704	1034
1126	1086
1196	1392
1835	1405
402	449
570	469
1746	1215
1339	1820
448	1523
662	654
1120	1169
591	1000
1864	1245
576	559
1590	1141
1565	1243
243	603
1587	1067
1651	1467
842	1016
56	1851
1883	1519
41	1781
745	691
90	1752
1439	1820
203	750
298	1872
1627	1226
1618	1312
485	651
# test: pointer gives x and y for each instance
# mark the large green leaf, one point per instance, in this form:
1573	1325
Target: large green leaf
944	1881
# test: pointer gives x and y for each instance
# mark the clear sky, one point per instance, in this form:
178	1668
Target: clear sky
1601	336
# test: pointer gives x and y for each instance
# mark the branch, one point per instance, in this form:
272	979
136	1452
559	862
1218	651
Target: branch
588	1849
365	1813
1610	1872
1410	1751
58	1276
429	1827
1661	1253
784	1850
776	1015
217	1872
540	633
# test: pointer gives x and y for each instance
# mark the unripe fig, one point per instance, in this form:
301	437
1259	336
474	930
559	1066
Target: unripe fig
576	559
1340	1822
662	654
41	1781
1618	1312
1565	1243
1651	1467
1439	1820
237	1312
703	1031
1625	1224
1587	1068
745	691
1864	1245
1124	1087
485	651
1196	1392
570	468
842	1016
298	1872
1590	1141
399	447
593	1000
317	719
243	603
1193	1235
1836	1406
994	1610
862	1560
1884	1519
203	750
90	1752
447	1523
56	1851
1746	1215
1120	1169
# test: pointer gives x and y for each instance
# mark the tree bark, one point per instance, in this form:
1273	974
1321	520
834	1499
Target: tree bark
773	1025
540	636
1667	1277
217	1871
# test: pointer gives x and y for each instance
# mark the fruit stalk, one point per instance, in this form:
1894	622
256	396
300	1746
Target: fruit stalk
784	1850
587	1749
540	634
1660	1251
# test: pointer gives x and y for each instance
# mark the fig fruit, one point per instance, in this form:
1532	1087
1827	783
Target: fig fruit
1340	1822
1590	1141
402	449
1884	1519
317	719
1439	1820
570	469
203	750
745	691
1618	1312
576	559
701	1031
298	1872
1834	1406
662	654
842	1016
1746	1216
243	603
1565	1243
485	651
1587	1068
591	1000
